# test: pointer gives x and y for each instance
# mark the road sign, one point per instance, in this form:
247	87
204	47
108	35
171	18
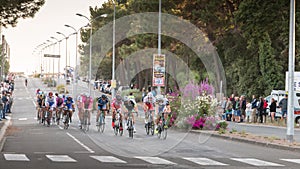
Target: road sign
51	56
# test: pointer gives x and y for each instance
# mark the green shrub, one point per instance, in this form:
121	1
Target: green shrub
61	89
136	93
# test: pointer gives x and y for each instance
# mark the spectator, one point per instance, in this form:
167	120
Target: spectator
223	106
229	110
237	112
4	100
260	109
254	109
243	107
273	109
283	105
248	112
264	113
1	107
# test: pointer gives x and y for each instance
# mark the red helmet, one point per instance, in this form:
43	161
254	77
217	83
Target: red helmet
50	94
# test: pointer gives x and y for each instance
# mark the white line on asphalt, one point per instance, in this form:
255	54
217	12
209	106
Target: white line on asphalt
84	146
108	159
22	119
60	158
204	161
156	160
16	157
34	103
292	160
256	162
60	127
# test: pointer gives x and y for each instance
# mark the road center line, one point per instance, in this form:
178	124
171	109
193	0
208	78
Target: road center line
80	143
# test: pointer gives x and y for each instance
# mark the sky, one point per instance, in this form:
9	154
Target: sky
31	32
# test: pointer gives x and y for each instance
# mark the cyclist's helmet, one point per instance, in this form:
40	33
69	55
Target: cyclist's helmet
103	96
118	97
126	99
69	98
50	94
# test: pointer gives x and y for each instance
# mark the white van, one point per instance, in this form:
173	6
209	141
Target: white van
278	95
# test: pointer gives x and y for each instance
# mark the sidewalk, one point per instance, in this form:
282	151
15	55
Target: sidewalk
3	126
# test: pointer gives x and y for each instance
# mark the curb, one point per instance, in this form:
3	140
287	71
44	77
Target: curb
3	129
243	140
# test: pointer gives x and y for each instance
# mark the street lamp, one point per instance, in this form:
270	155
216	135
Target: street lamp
66	37
75	72
58	72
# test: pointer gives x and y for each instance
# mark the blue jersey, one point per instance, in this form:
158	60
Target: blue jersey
102	103
69	103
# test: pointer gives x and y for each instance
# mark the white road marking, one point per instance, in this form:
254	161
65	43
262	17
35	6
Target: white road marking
84	146
60	127
60	158
22	119
34	103
108	159
156	160
292	160
204	161
16	157
256	162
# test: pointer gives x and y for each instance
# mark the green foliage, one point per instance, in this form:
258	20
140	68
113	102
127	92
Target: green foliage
11	11
251	38
61	89
136	93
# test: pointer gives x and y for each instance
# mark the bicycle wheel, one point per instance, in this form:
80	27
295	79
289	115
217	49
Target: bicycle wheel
66	124
116	130
102	124
152	128
159	131
147	126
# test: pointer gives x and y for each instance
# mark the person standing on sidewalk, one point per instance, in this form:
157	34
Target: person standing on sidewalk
243	108
283	105
4	100
260	109
273	109
1	107
254	109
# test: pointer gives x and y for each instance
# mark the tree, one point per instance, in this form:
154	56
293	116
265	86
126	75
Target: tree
12	10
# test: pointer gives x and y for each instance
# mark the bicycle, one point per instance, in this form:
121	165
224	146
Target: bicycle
85	124
101	122
130	125
66	119
58	114
46	117
150	125
162	128
118	122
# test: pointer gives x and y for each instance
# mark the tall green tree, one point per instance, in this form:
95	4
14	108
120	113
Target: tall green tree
12	10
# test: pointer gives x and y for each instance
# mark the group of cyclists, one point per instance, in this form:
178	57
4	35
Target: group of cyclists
59	105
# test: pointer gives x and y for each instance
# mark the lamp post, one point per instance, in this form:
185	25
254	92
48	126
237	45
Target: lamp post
75	72
66	37
58	69
90	55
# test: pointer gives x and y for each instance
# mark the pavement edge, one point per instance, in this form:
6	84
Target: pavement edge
2	133
244	140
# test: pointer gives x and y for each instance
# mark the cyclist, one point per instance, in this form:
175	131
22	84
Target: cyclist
163	107
59	106
131	97
40	104
86	103
69	106
149	102
129	106
50	103
80	107
115	105
103	105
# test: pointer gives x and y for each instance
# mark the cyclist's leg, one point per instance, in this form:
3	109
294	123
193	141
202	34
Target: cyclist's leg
71	114
89	117
98	115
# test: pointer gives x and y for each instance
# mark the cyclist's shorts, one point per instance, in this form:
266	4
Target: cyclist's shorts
150	106
102	107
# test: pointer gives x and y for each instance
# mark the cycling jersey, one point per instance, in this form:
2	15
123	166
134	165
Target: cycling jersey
129	105
116	104
69	103
87	102
149	101
102	103
50	101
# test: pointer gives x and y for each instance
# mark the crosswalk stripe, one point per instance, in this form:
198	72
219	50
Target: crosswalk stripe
156	160
108	159
292	160
204	161
16	157
256	162
60	158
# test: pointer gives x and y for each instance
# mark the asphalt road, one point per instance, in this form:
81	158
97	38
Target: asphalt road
29	144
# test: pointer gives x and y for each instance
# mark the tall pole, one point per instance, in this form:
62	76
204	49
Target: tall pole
58	67
113	91
75	71
66	70
290	114
159	38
